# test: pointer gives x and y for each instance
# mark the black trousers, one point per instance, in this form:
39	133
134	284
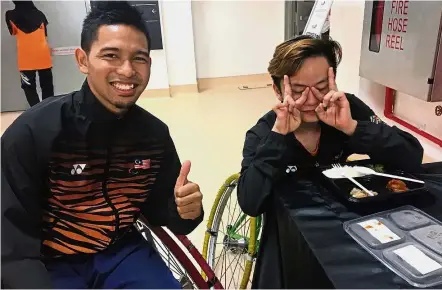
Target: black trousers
28	84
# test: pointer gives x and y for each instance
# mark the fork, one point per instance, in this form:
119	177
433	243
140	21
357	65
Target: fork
342	171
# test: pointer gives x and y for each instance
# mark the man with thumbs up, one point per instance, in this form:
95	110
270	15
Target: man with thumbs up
74	184
187	195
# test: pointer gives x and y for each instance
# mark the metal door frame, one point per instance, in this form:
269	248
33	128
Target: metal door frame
290	14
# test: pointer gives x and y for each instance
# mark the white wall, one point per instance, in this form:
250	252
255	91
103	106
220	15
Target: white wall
175	64
179	42
236	37
348	33
158	73
420	113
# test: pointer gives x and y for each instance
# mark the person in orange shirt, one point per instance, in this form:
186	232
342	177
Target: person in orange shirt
29	26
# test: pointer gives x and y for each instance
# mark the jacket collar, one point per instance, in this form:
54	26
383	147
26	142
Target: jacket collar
90	112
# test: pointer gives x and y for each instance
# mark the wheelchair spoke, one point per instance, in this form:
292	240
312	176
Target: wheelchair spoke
242	267
225	265
170	261
233	240
172	265
175	267
230	265
222	227
248	227
246	221
238	218
234	274
230	215
167	253
218	257
242	270
234	212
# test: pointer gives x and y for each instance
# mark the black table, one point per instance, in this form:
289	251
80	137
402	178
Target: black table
313	241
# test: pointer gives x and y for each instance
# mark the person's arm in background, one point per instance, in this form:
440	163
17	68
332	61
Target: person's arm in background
45	23
383	143
8	23
21	186
160	208
264	160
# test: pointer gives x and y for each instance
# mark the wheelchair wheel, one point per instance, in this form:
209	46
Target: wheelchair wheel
177	252
231	240
177	269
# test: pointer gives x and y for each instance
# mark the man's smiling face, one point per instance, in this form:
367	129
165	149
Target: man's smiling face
117	66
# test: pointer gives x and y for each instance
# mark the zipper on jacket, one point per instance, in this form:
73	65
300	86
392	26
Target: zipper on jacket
107	198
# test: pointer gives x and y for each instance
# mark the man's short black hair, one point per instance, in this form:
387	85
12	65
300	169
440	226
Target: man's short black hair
110	13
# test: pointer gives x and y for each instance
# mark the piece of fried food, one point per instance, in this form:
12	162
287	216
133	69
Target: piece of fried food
397	185
359	193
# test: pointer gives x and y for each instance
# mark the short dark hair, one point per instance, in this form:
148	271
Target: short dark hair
110	13
290	55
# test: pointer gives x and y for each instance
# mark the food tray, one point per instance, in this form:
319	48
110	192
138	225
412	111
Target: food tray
406	240
344	186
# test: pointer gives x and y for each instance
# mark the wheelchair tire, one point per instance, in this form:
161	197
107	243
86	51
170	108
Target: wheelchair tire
249	239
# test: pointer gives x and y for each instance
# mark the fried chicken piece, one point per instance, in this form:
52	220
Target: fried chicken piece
396	185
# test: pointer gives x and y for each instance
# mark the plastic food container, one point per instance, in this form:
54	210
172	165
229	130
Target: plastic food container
406	240
343	187
377	233
416	262
409	219
430	236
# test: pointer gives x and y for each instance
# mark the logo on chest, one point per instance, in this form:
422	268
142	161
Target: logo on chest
140	164
78	169
291	169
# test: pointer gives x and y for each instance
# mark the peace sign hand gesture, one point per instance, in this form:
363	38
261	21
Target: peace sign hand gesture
334	108
288	116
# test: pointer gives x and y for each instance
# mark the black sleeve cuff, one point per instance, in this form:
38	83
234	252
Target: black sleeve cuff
360	140
185	227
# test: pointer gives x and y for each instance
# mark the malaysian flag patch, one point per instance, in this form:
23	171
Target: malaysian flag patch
142	164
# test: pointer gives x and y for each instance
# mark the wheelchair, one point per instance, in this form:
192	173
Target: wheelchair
230	246
239	237
181	256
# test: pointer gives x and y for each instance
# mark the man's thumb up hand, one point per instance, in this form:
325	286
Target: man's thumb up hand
188	197
184	172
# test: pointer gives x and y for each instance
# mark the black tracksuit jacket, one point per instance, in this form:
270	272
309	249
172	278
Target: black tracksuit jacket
267	155
74	178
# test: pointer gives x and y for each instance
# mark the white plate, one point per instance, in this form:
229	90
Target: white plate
336	173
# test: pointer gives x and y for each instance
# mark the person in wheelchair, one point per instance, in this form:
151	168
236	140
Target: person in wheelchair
313	124
78	170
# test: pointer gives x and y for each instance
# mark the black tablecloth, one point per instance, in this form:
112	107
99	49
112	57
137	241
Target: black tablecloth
313	241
